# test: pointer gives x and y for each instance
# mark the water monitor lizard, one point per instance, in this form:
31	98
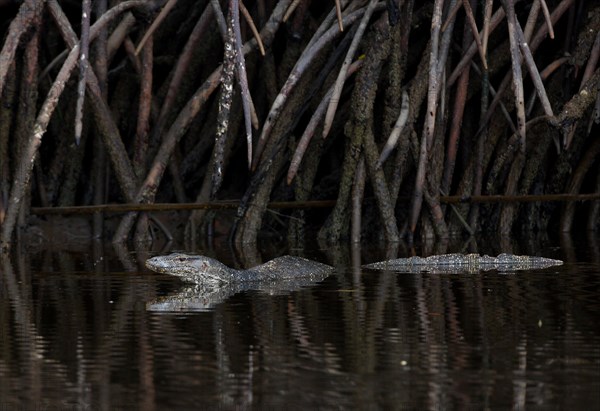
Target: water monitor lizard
199	269
213	282
471	263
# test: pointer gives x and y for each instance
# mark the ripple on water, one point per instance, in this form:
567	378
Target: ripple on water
370	340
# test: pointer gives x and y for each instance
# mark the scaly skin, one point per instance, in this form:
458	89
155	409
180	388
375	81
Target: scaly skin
203	270
447	263
214	282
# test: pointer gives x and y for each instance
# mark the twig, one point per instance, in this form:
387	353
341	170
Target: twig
575	108
301	65
339	84
485	32
517	75
83	65
143	120
562	7
532	19
120	34
290	10
550	68
25	164
591	63
255	33
27	15
326	24
312	125
338	13
432	96
451	16
225	100
98	167
162	227
240	64
361	131
290	205
587	74
250	117
358	190
159	19
460	99
468	55
104	120
533	72
134	59
460	218
186	115
513	145
183	63
547	17
221	23
475	32
556	14
497	101
392	140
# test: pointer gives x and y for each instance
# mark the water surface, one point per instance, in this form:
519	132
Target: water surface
75	333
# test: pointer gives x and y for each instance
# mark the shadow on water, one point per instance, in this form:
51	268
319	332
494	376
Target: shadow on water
75	334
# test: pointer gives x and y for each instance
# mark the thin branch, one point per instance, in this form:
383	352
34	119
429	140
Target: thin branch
338	13
532	19
591	63
432	97
104	120
20	25
148	189
517	75
392	140
533	72
290	205
25	165
301	65
144	106
562	7
547	17
485	32
312	125
221	23
488	113
460	99
240	64
291	10
253	29
83	65
182	65
475	32
468	55
225	100
451	16
550	68
339	84
326	23
159	19
358	190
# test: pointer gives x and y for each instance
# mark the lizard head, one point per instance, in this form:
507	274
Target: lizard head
197	269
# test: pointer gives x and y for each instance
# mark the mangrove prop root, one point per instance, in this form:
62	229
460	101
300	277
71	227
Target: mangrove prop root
161	112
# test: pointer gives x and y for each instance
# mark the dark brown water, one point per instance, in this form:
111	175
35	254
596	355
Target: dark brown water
75	333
